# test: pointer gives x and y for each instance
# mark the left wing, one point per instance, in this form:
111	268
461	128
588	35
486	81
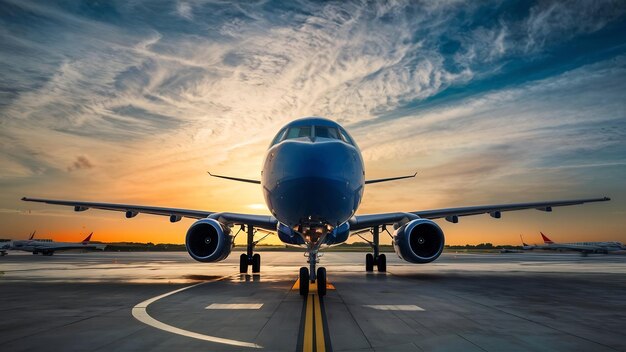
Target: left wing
452	214
263	221
378	180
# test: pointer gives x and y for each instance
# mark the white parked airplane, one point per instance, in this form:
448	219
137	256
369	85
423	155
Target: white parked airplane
583	247
48	247
4	247
313	180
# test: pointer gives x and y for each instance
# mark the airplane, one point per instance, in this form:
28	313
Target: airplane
313	181
583	247
48	247
4	246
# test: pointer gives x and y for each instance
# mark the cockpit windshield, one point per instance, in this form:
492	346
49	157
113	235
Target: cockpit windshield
313	132
326	132
299	132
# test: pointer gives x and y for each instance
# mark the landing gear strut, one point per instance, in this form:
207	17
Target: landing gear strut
380	260
249	258
309	275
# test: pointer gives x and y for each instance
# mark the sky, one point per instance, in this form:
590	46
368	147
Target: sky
488	101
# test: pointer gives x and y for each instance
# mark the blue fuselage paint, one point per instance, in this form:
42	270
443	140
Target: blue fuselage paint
313	181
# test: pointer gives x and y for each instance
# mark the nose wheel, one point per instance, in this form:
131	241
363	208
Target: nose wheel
321	281
305	281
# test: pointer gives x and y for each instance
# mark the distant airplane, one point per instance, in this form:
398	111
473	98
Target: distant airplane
4	246
583	247
48	247
313	180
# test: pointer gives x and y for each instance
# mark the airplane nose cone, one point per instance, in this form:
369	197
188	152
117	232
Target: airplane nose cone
318	181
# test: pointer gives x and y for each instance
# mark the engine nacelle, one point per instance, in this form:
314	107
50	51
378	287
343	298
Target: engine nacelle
288	236
419	241
208	241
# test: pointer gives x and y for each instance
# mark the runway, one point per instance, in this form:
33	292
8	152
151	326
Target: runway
469	302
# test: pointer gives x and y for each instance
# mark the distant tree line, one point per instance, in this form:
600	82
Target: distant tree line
144	247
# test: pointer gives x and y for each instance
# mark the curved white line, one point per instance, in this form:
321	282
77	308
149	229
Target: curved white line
140	313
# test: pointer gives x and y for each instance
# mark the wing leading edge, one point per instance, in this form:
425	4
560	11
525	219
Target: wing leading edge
452	214
175	214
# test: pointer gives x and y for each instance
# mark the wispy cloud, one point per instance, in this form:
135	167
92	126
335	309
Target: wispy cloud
155	93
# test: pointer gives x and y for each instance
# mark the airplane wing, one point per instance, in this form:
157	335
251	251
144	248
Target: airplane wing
452	214
175	214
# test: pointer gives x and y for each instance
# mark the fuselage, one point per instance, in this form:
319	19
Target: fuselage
599	246
313	176
48	245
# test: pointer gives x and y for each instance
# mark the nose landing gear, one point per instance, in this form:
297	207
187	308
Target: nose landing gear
309	275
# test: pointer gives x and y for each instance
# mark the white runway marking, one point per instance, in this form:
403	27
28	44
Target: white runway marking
235	306
405	307
140	313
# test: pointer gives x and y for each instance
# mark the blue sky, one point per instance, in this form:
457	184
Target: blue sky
495	101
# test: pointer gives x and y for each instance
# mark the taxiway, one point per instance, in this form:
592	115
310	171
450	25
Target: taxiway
166	301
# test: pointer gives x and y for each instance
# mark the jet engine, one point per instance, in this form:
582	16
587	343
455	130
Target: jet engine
419	241
208	241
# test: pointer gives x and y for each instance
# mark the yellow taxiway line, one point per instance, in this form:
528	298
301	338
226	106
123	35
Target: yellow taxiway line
314	339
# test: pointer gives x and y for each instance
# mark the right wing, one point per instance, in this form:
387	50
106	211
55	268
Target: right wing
236	178
452	214
263	221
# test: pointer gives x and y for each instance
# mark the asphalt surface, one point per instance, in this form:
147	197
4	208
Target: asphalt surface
461	302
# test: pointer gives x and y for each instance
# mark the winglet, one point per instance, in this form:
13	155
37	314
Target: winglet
389	179
546	240
32	235
86	240
237	179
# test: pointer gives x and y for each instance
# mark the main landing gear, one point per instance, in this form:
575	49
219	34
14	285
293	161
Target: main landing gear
380	260
307	277
249	258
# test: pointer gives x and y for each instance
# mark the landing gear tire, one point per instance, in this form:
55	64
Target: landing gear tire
321	281
256	263
35	252
382	263
243	263
304	281
369	262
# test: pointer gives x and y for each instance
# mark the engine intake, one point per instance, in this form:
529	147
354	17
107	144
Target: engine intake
208	241
419	241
